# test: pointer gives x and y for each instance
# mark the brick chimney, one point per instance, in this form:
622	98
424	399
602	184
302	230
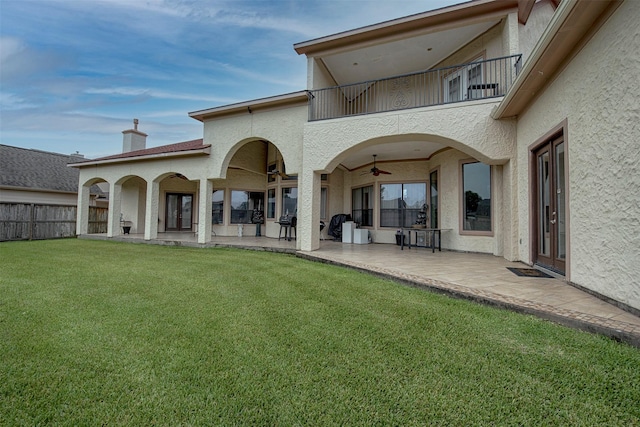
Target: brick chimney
133	139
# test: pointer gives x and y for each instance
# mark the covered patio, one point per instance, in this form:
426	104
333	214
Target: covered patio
479	277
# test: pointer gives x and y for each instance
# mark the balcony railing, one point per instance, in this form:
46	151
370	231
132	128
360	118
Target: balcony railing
475	80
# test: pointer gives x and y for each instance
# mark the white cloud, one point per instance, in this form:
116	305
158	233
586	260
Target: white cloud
10	46
154	93
10	101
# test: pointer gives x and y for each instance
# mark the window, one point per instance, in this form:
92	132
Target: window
401	203
476	197
289	201
271	203
242	205
362	205
217	207
323	203
433	188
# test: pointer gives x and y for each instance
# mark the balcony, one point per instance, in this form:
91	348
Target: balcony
476	80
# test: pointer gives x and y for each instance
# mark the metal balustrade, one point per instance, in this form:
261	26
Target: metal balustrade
475	80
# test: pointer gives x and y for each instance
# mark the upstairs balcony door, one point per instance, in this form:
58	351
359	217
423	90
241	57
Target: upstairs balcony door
550	206
179	212
462	84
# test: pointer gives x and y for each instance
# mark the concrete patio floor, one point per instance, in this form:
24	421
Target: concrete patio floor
480	277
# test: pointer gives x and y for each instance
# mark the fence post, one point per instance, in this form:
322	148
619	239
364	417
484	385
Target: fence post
31	221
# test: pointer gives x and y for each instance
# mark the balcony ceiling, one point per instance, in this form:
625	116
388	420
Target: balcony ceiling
402	56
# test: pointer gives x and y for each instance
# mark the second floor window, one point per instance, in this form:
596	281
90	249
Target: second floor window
400	204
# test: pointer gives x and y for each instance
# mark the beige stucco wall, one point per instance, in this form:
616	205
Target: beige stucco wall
529	34
490	44
598	94
282	127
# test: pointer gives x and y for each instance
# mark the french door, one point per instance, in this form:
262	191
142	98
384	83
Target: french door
179	212
550	206
464	83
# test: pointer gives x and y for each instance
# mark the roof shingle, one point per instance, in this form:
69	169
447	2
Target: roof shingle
35	169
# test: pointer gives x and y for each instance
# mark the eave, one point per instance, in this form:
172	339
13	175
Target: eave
37	190
572	23
248	107
471	10
205	151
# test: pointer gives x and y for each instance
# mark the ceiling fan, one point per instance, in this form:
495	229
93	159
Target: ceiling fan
374	170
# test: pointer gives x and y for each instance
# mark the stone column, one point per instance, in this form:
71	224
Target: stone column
115	209
151	214
82	216
204	211
308	231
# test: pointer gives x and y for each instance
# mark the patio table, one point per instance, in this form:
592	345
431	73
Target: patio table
430	235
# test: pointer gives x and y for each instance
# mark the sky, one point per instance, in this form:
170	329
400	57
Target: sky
75	73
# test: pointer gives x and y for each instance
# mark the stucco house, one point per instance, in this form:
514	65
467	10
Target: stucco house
512	125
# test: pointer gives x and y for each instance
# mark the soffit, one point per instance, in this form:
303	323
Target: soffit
402	56
404	45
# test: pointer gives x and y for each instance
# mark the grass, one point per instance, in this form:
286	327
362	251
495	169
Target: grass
104	333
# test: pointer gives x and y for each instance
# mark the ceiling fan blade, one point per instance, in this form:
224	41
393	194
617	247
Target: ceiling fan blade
384	172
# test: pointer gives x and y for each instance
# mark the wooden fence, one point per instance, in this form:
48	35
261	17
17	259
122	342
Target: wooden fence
31	221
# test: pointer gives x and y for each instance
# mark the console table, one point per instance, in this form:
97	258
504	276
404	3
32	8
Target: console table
429	234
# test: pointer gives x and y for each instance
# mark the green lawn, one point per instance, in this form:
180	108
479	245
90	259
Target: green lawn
104	333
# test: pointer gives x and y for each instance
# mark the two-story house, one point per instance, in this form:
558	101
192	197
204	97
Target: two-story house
512	124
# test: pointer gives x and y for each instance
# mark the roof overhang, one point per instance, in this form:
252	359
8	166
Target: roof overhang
204	151
248	107
570	27
408	25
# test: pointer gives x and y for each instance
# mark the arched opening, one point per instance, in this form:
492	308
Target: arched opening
419	182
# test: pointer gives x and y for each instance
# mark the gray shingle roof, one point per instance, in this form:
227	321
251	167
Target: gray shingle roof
21	167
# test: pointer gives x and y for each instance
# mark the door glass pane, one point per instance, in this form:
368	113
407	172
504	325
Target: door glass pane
474	75
415	199
391	205
561	249
271	203
187	202
434	199
362	205
240	207
217	207
290	201
323	203
544	210
172	211
453	91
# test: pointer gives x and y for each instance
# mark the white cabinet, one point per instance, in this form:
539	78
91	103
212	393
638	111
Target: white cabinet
360	236
347	231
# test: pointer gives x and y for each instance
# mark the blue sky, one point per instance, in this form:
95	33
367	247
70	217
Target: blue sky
74	73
